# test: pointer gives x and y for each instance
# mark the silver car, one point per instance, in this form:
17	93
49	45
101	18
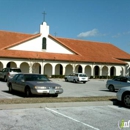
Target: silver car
34	84
117	83
123	95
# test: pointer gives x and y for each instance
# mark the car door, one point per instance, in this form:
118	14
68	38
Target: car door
13	82
20	84
125	82
116	82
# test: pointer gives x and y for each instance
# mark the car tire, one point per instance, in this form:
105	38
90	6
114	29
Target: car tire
126	100
111	88
10	88
74	81
27	92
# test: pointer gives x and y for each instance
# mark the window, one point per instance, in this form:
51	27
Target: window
44	43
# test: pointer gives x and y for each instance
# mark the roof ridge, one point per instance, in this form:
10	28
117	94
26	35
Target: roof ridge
84	40
16	32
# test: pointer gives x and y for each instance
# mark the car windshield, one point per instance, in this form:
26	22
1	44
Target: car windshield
82	75
15	70
36	78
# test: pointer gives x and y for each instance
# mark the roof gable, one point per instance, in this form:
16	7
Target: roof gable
10	38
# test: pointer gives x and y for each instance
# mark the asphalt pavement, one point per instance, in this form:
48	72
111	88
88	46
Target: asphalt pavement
101	115
94	87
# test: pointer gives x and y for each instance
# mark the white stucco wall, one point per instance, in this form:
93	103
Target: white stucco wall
36	43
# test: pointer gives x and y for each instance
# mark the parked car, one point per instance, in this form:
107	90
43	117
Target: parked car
76	77
34	84
7	73
123	95
117	83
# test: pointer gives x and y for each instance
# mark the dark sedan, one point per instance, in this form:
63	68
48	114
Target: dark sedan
34	84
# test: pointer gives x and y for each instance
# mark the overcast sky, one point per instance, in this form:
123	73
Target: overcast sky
94	20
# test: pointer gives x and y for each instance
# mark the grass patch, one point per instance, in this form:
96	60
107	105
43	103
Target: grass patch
54	100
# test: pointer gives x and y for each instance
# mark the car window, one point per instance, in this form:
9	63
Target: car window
15	76
36	78
117	79
20	77
123	79
82	75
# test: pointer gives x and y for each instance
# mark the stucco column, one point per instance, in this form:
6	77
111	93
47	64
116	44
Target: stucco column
30	69
83	66
92	74
53	69
42	69
108	74
100	71
64	70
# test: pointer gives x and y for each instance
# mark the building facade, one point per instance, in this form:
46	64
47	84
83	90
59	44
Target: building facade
45	54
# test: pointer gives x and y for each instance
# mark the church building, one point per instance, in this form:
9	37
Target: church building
46	54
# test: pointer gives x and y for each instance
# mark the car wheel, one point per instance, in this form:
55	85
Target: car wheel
27	92
10	88
126	100
74	81
111	88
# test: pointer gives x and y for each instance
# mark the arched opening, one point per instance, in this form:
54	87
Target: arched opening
88	71
36	68
44	43
24	67
105	71
1	66
112	71
11	65
59	69
79	69
48	70
96	71
69	69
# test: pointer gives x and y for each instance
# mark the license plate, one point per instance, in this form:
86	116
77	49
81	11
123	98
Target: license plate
52	91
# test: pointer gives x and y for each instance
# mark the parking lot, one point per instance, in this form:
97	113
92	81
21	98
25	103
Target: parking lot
93	116
65	116
91	88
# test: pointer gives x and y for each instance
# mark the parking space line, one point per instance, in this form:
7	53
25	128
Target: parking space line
71	118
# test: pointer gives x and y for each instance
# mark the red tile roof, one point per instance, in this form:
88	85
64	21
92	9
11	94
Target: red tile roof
84	51
8	39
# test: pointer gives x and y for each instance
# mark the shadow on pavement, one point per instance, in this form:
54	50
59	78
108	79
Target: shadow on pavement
22	95
118	103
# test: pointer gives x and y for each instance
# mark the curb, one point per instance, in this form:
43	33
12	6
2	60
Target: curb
54	105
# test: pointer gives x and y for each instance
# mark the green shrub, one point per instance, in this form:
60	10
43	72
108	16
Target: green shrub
57	76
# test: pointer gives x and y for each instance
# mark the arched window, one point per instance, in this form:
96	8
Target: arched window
44	43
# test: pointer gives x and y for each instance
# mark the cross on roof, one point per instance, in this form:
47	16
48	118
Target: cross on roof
44	13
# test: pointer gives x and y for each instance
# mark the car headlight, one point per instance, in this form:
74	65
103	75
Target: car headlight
39	87
57	87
